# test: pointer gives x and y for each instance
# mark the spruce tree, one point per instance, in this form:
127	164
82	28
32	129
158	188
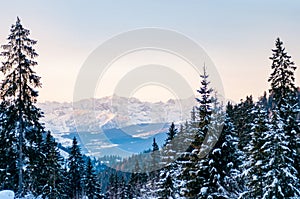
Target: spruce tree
8	151
195	166
171	133
112	189
19	95
165	184
280	176
92	185
232	157
155	157
243	117
136	180
285	101
256	159
282	79
52	174
204	110
75	172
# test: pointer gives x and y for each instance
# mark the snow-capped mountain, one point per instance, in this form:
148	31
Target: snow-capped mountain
94	120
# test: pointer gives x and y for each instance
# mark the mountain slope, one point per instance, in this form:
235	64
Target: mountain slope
113	125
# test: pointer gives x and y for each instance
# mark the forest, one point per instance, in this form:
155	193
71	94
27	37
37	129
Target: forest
246	150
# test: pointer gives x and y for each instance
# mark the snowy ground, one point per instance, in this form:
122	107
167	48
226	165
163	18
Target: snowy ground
6	194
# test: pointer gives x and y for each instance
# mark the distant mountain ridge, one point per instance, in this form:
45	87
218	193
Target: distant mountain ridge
95	119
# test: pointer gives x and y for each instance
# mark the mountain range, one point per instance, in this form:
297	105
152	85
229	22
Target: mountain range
114	125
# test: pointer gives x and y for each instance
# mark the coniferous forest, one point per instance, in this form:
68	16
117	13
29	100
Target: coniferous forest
247	150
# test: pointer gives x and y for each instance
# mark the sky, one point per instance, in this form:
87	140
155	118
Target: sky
237	36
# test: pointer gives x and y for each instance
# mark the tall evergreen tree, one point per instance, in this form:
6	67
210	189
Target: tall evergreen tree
256	159
19	95
243	117
204	110
282	79
284	93
75	172
52	174
8	151
165	184
195	167
136	180
92	185
280	176
112	189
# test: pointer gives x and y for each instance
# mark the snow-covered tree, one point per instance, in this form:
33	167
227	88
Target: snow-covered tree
282	79
155	158
91	183
8	151
193	167
280	176
52	173
136	180
165	184
221	165
75	172
19	95
285	99
256	159
242	119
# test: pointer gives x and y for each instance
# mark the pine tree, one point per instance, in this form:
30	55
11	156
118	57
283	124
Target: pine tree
154	146
170	149
256	158
92	186
155	157
52	174
112	189
8	152
285	101
282	79
136	180
18	92
231	155
195	166
171	133
165	184
243	117
75	172
280	176
211	171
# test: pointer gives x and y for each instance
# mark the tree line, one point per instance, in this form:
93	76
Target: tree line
244	150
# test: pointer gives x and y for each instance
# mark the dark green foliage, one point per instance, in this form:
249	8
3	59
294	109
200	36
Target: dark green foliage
280	176
19	95
8	150
203	111
136	180
171	133
242	120
165	184
91	183
256	158
154	146
52	175
282	79
75	172
194	169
